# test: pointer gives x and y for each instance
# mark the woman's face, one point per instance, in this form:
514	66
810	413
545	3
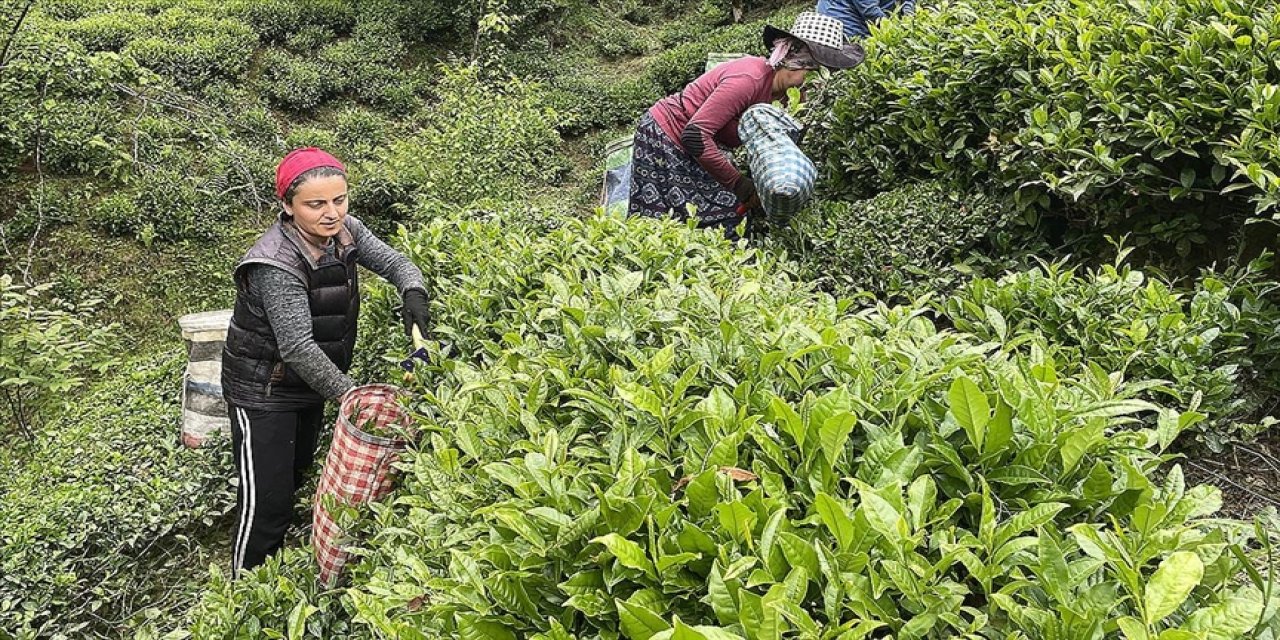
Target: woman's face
319	206
786	79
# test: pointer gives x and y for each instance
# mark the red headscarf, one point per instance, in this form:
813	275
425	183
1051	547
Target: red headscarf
300	161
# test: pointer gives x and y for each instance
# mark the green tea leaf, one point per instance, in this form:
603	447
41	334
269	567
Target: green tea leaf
835	518
1170	585
721	597
799	552
882	516
787	418
833	434
970	407
702	494
474	628
642	398
1113	408
737	519
1232	618
628	553
1133	628
298	619
922	497
1000	431
639	623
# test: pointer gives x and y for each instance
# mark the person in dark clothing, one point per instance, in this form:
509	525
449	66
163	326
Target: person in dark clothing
291	340
677	160
857	16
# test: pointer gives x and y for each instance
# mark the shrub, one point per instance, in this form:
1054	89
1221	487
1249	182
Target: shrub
368	66
46	205
54	94
609	34
299	83
643	433
324	138
1119	115
365	133
590	102
309	38
692	25
85	138
675	67
415	20
46	349
65	9
1217	345
276	21
465	149
914	238
195	50
167	204
103	504
106	31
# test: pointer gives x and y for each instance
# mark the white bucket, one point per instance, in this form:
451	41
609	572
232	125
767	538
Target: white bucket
204	412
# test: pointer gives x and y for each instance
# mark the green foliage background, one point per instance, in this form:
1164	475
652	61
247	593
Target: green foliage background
940	401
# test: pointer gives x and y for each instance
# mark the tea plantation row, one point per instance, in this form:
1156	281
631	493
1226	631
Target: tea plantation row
642	432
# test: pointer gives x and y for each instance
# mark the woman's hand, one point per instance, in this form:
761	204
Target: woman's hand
745	190
415	312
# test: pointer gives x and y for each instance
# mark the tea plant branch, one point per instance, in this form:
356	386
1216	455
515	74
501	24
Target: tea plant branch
201	115
1227	480
13	33
39	158
1266	459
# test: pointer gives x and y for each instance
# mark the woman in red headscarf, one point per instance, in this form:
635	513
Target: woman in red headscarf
292	336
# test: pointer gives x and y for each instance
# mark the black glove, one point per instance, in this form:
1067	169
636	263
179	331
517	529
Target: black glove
415	311
744	189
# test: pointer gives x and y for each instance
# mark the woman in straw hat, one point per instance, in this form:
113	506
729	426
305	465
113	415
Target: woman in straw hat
292	336
676	158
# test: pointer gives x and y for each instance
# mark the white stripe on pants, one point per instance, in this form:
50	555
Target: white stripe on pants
247	482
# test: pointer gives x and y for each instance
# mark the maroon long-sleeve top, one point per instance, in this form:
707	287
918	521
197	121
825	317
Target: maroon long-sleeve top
707	110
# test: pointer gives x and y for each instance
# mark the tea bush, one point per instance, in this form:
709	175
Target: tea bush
103	504
165	204
464	149
1122	116
47	348
915	238
366	65
364	131
416	20
194	49
106	31
277	20
640	432
589	103
308	39
694	23
46	206
54	94
1216	343
369	65
300	83
677	66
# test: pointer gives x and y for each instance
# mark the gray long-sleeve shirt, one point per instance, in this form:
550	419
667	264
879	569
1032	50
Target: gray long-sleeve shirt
284	299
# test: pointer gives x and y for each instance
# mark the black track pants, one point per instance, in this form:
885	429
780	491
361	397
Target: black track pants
273	451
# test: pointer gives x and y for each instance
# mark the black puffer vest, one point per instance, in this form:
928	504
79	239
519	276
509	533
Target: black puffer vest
253	374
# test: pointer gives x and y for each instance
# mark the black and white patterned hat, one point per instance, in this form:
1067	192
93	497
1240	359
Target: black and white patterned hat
824	36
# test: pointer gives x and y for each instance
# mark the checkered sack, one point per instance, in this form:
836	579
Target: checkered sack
784	176
358	468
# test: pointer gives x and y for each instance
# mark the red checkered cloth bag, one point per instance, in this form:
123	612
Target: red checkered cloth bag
358	469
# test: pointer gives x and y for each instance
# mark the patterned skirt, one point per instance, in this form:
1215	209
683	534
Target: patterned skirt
664	179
